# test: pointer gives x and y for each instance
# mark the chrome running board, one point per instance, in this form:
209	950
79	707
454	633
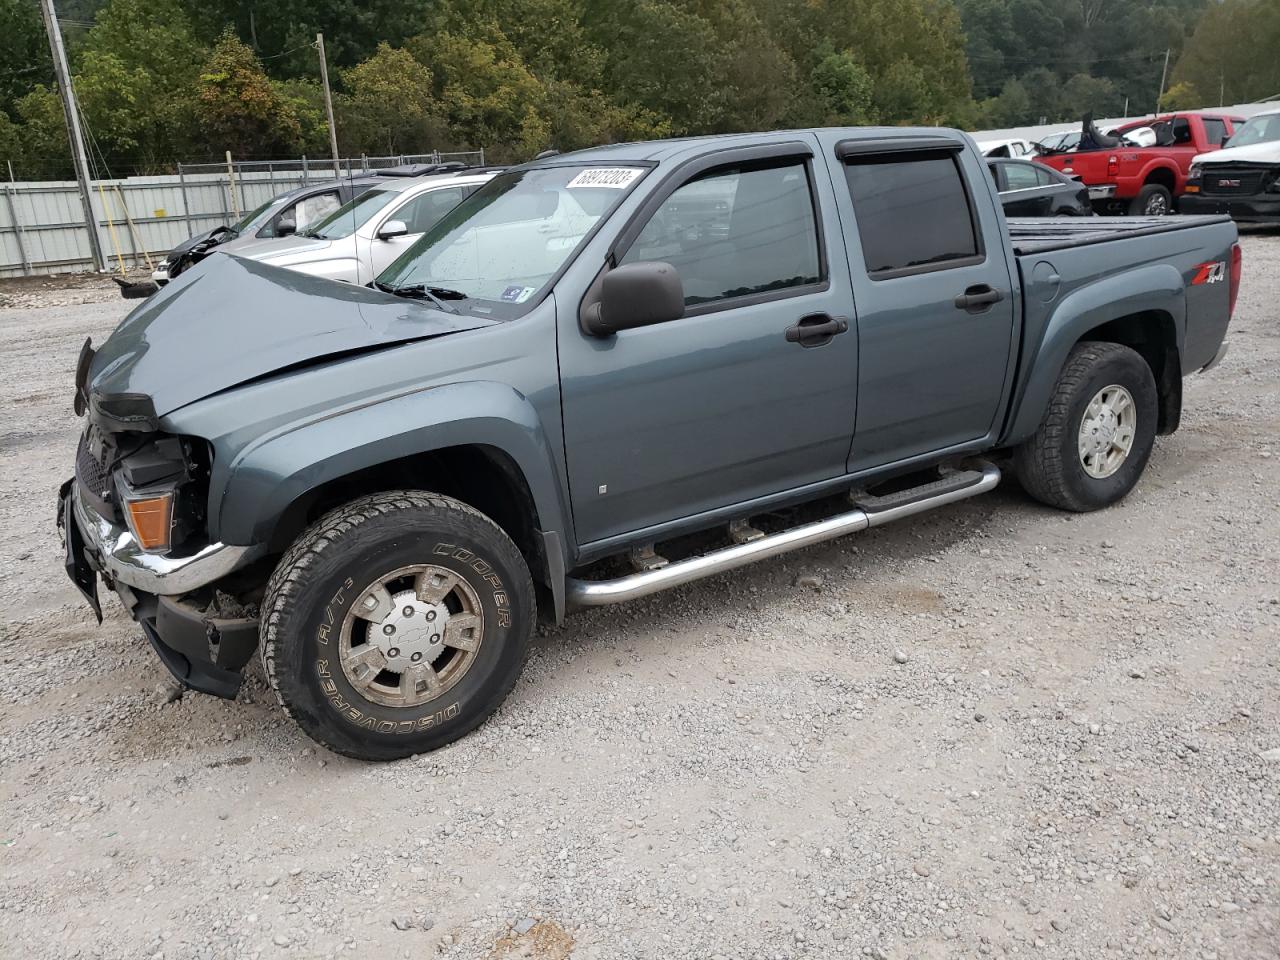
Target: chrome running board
598	593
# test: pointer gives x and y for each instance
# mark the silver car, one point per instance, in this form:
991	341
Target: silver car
360	239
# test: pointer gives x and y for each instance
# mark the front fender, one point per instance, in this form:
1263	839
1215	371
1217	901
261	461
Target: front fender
1156	287
271	473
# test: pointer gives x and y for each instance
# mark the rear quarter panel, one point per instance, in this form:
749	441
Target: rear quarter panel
1100	282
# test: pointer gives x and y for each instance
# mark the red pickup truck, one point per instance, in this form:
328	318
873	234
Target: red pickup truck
1144	180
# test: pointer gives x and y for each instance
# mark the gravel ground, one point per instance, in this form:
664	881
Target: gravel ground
996	730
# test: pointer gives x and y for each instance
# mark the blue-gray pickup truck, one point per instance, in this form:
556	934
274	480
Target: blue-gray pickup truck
604	374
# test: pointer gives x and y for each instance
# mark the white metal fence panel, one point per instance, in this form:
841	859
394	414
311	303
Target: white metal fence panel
43	226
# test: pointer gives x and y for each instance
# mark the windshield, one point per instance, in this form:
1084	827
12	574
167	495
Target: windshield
495	252
252	218
1256	130
352	215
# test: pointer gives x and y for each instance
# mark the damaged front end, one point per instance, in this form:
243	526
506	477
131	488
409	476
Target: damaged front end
134	516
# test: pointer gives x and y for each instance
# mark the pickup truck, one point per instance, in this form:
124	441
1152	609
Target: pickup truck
1243	179
1144	180
605	374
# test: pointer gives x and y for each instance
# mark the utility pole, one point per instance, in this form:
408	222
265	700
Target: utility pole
1163	76
328	106
74	136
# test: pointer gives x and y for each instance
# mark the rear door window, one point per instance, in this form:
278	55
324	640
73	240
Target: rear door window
913	212
1020	176
1215	130
427	209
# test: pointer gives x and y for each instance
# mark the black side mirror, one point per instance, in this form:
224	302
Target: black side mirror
636	295
286	227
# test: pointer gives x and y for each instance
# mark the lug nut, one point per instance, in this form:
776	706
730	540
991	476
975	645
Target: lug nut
435	638
393	652
408	611
389	629
431	615
416	657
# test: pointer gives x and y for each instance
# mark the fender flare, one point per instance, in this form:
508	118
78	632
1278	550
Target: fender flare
1157	288
266	477
1161	163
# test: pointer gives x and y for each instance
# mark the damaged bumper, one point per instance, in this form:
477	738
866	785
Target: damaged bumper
203	645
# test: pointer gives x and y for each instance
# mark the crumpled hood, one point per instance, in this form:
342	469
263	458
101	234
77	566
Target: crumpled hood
229	320
271	249
1266	152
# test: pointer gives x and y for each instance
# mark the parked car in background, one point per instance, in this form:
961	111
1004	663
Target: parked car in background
1243	178
281	216
1009	147
593	357
1058	142
1147	180
1032	190
356	242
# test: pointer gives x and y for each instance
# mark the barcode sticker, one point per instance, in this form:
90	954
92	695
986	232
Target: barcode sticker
616	178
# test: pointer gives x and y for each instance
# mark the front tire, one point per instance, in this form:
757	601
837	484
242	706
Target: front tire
1097	434
1152	200
396	624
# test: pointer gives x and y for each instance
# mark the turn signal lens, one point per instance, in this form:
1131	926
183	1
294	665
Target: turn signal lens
150	520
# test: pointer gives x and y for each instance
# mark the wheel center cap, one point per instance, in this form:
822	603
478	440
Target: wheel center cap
412	633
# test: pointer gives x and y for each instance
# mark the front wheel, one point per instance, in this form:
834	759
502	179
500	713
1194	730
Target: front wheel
1152	200
1098	433
396	624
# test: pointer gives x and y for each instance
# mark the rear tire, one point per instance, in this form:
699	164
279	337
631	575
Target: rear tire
1097	434
1152	200
396	624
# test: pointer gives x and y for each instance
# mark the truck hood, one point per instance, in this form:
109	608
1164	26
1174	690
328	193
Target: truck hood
230	320
1266	152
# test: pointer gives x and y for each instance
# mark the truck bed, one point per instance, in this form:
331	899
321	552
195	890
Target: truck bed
1043	234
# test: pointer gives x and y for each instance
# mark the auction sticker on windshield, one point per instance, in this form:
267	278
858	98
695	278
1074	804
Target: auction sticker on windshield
617	178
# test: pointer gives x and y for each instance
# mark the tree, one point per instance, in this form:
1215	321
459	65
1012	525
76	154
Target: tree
46	152
1232	55
389	108
842	88
490	97
239	109
24	51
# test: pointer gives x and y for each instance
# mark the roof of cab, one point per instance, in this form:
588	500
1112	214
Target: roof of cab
656	151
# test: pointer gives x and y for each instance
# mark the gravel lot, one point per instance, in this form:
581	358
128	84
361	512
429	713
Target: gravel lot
996	730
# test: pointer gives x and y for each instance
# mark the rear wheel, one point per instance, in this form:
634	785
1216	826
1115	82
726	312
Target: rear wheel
396	624
1152	200
1098	432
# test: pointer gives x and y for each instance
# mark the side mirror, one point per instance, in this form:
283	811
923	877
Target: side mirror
392	229
286	227
636	295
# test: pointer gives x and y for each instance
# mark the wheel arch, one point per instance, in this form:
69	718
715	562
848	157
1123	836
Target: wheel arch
481	443
1162	174
1143	309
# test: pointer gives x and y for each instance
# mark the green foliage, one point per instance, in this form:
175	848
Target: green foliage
24	51
1234	54
160	80
239	109
389	108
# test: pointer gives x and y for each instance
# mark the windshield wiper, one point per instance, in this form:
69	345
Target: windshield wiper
419	291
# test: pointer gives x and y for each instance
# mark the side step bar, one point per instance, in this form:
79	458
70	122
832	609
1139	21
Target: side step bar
598	593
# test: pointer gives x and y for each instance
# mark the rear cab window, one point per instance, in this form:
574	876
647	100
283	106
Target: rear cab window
913	212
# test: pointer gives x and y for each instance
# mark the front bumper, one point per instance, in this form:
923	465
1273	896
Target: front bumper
123	560
1259	208
203	647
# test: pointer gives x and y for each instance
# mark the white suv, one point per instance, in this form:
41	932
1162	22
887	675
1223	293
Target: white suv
361	238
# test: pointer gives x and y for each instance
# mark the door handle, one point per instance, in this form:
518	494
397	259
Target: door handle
816	329
977	298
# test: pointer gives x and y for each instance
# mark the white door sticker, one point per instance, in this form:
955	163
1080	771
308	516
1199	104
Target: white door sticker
617	178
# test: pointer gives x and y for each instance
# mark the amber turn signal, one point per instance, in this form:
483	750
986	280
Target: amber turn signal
150	520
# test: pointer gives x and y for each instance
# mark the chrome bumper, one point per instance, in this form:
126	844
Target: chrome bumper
122	559
1105	192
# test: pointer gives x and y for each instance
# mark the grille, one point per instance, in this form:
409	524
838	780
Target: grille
1232	182
91	473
